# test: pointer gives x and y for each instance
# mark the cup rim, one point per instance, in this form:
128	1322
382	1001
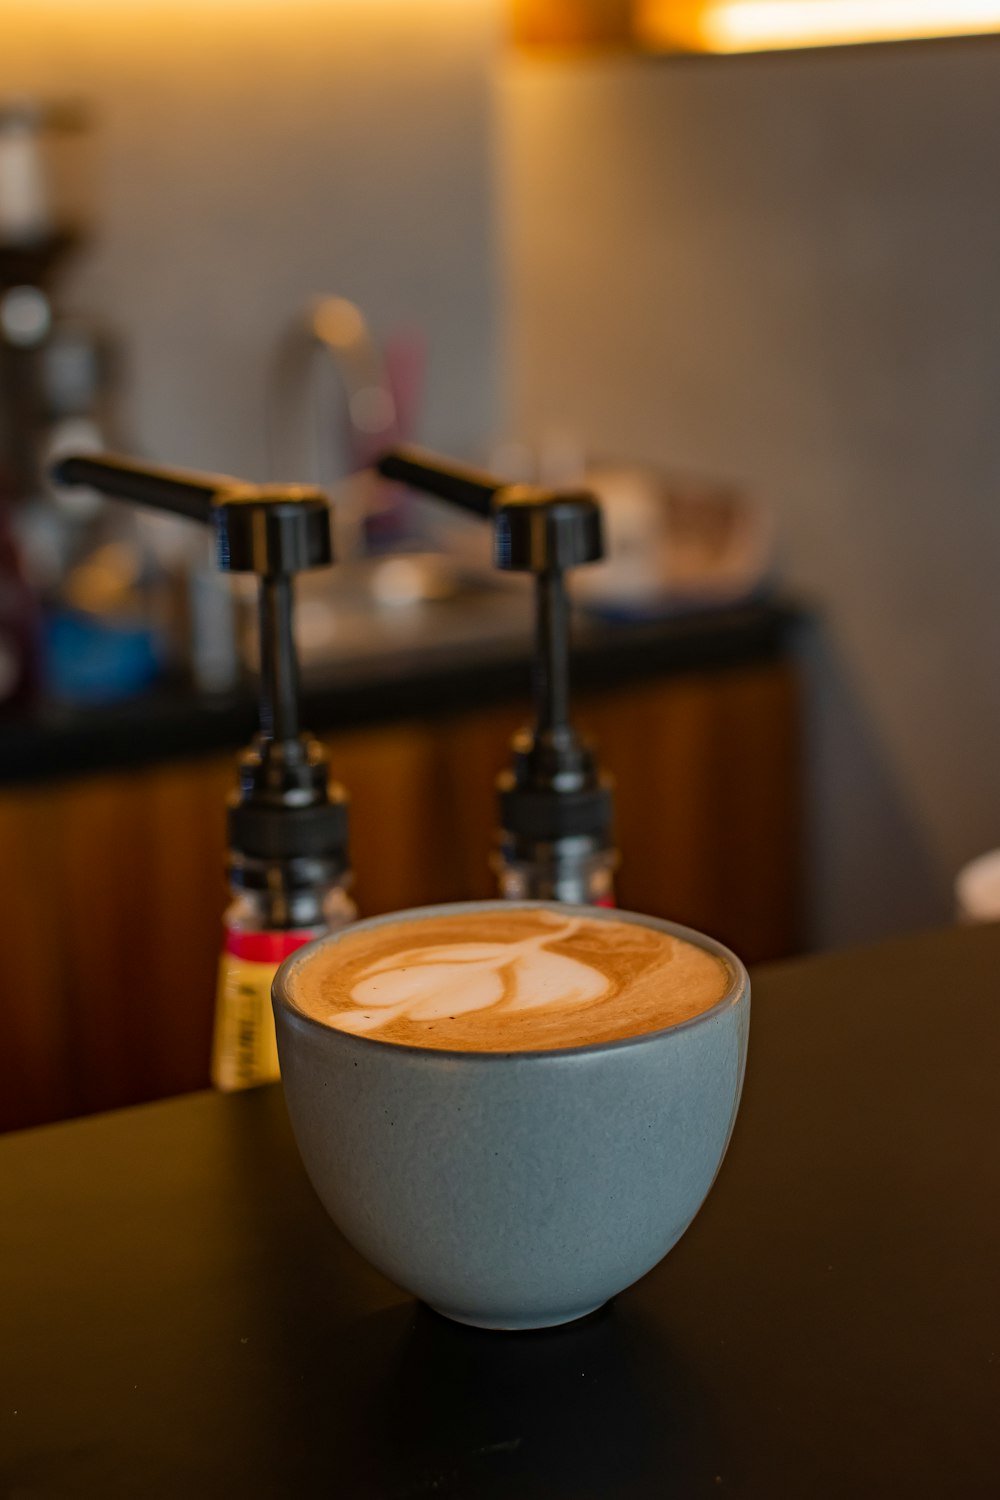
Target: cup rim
737	989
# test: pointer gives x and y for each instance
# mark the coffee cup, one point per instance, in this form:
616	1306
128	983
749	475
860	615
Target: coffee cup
511	1189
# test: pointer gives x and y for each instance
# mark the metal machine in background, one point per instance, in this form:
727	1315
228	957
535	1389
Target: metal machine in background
82	565
55	371
35	241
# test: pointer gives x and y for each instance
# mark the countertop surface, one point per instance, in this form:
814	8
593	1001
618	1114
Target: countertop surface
476	658
178	1316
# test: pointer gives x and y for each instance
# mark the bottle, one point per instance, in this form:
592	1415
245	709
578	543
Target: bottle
289	871
244	1049
580	871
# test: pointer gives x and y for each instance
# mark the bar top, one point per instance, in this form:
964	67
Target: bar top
419	676
179	1317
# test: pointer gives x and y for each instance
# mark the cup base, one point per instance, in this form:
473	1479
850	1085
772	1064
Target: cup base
516	1325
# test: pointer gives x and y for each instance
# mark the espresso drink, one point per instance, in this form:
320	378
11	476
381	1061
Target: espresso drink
510	980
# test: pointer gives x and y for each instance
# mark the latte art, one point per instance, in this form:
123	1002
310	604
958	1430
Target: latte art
430	984
506	979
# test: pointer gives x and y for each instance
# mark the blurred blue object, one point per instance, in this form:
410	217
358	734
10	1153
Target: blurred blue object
92	661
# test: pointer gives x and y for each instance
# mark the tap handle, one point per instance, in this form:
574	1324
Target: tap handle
535	530
189	495
273	530
546	531
285	817
467	488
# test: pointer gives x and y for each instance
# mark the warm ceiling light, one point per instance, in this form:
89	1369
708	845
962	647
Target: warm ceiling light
765	25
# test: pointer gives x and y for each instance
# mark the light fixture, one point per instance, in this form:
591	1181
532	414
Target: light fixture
746	25
763	25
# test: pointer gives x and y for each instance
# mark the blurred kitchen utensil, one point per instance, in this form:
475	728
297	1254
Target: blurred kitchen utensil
675	543
373	405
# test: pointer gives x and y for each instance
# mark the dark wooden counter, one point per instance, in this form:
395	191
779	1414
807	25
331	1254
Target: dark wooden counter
178	1316
416	678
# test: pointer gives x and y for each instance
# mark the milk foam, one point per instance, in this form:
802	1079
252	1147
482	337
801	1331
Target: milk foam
429	984
506	979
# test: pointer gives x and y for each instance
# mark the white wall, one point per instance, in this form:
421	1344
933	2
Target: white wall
787	269
251	155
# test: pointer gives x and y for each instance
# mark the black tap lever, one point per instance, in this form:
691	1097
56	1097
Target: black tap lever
467	488
555	805
539	531
189	495
286	822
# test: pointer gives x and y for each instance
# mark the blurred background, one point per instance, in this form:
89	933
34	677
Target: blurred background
749	296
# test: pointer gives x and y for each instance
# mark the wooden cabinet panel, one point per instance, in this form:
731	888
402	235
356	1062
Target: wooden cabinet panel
708	803
35	1058
392	778
112	888
112	940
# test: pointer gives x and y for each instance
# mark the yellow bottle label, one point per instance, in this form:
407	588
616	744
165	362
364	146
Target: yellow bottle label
244	1049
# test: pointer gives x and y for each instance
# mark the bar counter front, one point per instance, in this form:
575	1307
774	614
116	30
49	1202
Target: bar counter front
178	1317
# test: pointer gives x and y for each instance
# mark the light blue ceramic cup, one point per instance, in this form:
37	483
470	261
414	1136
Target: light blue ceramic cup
520	1189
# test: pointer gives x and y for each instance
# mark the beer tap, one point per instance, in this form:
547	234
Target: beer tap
288	846
555	804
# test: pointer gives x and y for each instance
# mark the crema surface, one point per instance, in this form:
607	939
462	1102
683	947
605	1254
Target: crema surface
511	980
